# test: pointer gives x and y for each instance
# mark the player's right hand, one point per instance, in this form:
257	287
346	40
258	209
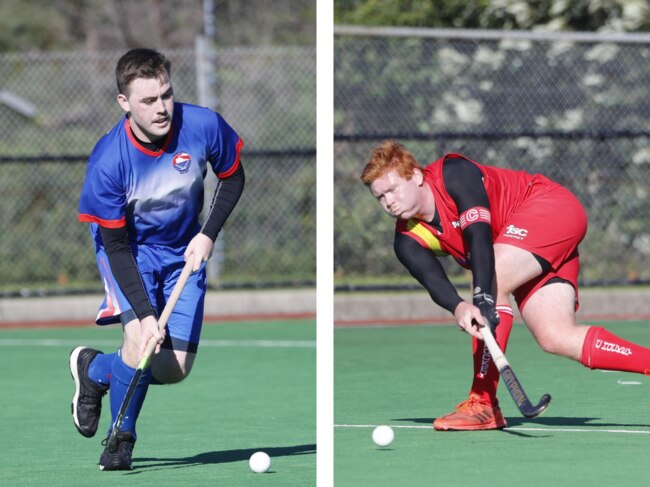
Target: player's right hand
467	317
148	329
199	249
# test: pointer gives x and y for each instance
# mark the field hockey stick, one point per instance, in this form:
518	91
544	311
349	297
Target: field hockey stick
509	377
111	445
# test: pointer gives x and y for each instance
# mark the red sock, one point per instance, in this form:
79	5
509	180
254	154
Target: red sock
486	375
604	350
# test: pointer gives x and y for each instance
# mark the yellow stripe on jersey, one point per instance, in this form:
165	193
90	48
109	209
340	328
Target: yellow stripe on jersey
418	229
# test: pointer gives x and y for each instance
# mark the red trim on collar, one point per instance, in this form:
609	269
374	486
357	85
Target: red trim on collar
140	147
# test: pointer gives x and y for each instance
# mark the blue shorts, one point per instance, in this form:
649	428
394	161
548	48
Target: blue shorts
159	267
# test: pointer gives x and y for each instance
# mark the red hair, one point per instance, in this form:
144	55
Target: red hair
389	155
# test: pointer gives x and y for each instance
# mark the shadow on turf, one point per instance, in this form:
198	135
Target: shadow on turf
216	457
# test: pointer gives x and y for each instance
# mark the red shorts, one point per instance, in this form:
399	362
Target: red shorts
550	223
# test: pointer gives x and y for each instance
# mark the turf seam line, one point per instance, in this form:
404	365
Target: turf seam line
513	428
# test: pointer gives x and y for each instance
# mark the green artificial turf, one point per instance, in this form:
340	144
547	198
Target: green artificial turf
595	432
252	388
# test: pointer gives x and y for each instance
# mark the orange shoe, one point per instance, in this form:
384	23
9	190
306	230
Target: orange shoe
472	415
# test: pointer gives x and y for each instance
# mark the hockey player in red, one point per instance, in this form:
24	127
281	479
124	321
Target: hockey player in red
519	235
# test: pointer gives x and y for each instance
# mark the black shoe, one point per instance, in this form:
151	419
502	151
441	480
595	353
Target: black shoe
121	459
87	399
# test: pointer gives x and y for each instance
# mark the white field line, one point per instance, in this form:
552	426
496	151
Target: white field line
594	429
55	342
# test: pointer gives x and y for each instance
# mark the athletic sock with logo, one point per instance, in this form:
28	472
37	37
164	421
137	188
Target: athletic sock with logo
604	350
120	380
486	375
99	369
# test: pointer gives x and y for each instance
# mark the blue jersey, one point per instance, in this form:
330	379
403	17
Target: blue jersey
158	195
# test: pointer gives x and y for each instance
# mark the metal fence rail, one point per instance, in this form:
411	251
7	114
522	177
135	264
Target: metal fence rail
55	106
573	107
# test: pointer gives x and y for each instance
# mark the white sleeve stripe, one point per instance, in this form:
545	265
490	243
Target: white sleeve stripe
475	215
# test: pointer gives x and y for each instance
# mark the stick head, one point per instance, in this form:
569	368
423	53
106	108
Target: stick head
534	411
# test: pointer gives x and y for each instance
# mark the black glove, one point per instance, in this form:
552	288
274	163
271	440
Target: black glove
485	302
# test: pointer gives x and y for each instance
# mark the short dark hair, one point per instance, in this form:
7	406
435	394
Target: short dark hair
140	63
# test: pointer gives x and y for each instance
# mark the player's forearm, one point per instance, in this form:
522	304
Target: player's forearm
426	269
442	292
224	201
479	239
125	270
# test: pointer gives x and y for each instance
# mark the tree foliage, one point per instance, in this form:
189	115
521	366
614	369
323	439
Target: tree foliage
556	15
265	86
118	24
575	111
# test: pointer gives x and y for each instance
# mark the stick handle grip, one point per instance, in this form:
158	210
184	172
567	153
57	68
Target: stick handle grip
497	355
176	292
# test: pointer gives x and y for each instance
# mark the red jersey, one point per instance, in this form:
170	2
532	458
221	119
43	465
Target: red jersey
506	189
528	211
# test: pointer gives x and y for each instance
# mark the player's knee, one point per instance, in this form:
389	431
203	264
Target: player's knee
548	344
170	376
183	371
554	343
171	370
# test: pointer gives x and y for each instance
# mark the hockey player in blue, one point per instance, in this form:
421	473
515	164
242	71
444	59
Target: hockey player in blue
142	196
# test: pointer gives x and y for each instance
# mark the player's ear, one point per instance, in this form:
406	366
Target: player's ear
418	177
123	102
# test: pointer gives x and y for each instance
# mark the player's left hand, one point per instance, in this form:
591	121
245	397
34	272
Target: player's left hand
199	249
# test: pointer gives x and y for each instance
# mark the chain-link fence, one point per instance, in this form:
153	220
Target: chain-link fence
55	106
573	107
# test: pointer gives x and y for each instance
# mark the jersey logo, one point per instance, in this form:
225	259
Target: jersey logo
514	232
181	162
